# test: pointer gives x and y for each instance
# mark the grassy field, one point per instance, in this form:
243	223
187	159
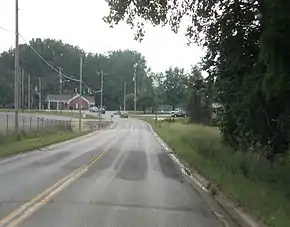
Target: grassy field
13	144
261	187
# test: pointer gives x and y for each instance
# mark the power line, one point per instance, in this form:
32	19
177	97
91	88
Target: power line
50	65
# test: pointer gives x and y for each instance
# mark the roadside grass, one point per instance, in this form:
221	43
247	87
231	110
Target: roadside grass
14	144
261	187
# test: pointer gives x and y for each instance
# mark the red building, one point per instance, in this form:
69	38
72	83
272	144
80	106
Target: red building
64	101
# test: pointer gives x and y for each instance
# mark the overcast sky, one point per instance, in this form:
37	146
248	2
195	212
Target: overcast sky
80	23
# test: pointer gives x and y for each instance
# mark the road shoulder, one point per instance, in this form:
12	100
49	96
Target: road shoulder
226	211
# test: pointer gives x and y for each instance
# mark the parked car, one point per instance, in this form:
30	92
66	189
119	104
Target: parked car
93	109
179	113
103	111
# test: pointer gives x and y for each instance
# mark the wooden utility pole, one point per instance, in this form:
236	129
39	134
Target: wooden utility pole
22	90
60	81
135	88
16	72
39	94
28	94
124	96
80	97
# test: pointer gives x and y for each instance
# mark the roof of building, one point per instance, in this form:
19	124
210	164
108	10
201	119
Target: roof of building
67	97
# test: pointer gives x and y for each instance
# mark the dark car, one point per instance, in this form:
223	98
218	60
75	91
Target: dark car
180	113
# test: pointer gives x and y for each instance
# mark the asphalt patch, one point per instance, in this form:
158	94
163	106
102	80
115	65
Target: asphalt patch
134	167
80	160
168	168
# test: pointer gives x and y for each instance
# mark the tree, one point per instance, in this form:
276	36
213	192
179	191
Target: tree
247	46
174	87
116	65
197	100
146	95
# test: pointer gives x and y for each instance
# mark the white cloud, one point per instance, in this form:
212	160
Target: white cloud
80	23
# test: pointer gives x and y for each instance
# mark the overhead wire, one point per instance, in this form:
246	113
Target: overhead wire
50	65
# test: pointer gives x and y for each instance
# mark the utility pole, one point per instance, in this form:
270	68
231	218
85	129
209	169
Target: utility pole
80	97
60	81
22	90
16	71
135	89
124	95
39	93
102	87
28	94
60	89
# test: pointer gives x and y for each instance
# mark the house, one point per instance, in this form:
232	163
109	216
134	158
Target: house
66	101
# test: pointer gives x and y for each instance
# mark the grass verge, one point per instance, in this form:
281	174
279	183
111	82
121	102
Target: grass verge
15	144
261	187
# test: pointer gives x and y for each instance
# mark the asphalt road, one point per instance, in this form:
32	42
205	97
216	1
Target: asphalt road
115	177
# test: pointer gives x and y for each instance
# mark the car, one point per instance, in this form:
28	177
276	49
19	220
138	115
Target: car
103	111
124	115
93	109
178	113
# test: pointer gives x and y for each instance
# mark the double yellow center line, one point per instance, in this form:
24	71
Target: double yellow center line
24	211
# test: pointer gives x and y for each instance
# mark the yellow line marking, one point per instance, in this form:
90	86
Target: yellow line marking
28	208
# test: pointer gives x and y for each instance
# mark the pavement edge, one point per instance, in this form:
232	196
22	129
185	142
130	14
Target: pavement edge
204	187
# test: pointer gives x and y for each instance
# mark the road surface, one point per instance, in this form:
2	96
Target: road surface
115	177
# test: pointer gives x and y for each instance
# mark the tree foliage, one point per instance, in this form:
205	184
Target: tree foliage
174	87
247	46
198	105
116	65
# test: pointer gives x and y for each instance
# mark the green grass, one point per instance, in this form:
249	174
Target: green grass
13	144
261	187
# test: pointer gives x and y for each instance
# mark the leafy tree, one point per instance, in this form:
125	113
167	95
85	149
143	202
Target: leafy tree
197	97
159	91
247	46
116	65
174	86
146	95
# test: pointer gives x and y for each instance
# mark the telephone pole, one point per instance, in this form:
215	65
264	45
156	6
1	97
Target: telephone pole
22	90
101	101
102	87
60	81
59	105
80	97
124	96
16	70
39	93
135	89
28	94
